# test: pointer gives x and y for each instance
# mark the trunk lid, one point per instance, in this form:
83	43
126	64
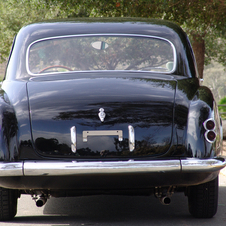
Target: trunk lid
65	116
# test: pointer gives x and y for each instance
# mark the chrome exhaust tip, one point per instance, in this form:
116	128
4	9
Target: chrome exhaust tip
165	200
41	201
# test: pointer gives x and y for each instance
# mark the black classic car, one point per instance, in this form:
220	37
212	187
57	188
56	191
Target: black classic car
107	106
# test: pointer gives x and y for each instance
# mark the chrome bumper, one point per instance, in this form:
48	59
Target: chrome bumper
63	168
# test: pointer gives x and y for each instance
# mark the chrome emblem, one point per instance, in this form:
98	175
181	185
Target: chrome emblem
101	114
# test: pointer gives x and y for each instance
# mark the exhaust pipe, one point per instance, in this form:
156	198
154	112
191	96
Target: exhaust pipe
41	201
165	200
163	196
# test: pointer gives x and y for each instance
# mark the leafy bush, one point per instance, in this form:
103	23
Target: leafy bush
222	108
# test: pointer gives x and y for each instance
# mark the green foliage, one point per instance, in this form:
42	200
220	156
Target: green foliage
222	109
215	79
215	48
16	13
205	19
201	19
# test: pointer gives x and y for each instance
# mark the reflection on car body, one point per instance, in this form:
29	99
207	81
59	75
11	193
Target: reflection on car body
107	106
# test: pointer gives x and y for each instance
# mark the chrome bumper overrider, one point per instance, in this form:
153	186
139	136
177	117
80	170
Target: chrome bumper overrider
63	168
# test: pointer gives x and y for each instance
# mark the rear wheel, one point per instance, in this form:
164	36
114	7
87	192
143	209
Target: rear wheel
203	199
8	203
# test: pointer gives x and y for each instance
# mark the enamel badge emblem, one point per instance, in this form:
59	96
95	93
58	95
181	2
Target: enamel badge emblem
101	114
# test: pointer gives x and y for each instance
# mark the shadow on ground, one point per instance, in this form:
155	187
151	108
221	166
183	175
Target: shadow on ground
122	210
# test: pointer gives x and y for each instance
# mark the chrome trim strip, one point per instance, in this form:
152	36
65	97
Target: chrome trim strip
11	169
201	165
87	133
131	138
73	139
104	34
40	168
64	168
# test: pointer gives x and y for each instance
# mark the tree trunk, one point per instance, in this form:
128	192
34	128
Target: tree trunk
198	45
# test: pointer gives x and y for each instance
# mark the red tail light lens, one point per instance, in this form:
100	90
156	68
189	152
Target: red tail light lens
210	136
209	124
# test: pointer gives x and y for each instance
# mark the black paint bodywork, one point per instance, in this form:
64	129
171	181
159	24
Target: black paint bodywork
167	111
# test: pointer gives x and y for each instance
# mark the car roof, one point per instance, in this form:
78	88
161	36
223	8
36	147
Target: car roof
137	26
142	26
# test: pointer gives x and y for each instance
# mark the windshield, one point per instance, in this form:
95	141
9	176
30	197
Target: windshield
101	52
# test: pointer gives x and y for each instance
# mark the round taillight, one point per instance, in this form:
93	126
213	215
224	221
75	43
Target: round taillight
209	124
210	136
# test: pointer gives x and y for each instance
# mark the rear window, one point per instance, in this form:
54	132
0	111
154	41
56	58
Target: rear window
101	52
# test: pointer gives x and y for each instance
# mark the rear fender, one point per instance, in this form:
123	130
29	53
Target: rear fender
8	130
201	108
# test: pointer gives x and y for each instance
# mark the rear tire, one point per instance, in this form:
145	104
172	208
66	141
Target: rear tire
203	199
8	204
